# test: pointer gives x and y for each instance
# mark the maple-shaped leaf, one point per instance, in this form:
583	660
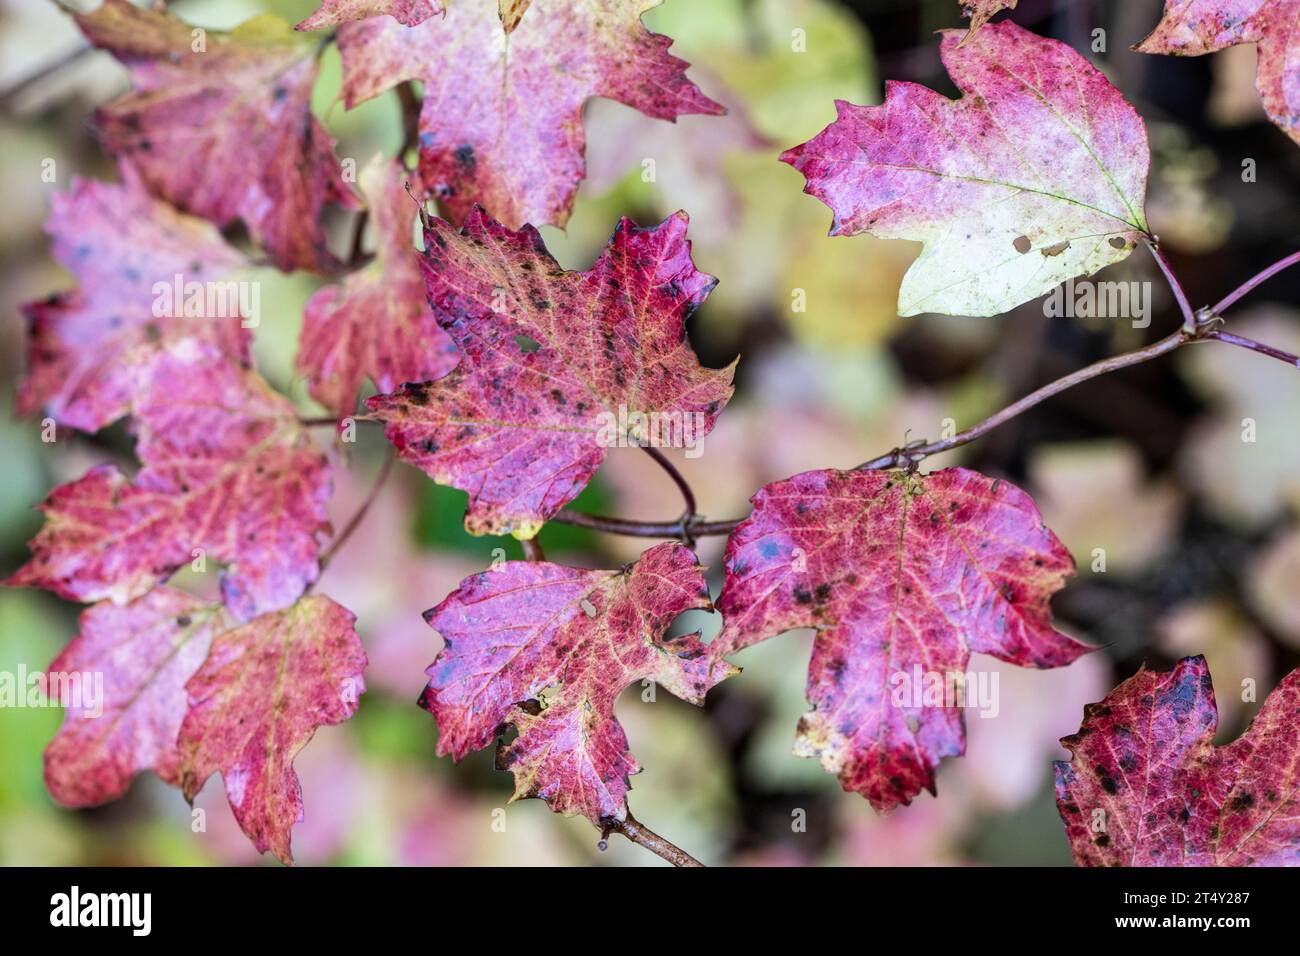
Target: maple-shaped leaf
501	123
1035	175
377	324
1194	27
1146	786
229	475
120	243
124	679
548	649
334	12
555	366
903	577
256	702
220	125
981	12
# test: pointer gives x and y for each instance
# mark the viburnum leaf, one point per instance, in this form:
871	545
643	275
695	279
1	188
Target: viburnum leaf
1145	785
1194	27
555	366
229	475
334	12
119	242
501	123
143	653
1037	174
220	125
548	649
257	701
377	324
982	11
903	577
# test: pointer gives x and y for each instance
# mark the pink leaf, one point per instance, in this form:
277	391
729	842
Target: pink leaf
1145	785
220	125
334	12
1194	27
502	119
228	470
549	649
143	653
257	701
549	358
1037	174
377	324
902	576
118	242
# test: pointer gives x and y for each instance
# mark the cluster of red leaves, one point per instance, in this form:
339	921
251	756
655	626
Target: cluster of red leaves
501	374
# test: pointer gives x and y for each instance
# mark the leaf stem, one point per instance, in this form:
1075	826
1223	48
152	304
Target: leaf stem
355	521
533	550
1254	281
643	836
1184	306
688	496
696	528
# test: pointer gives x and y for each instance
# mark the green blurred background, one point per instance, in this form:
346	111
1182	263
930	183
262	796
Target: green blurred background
1199	528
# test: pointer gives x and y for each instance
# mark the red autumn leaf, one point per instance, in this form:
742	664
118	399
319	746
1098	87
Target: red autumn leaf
228	469
549	649
334	12
1145	785
1036	175
257	701
548	360
143	653
118	242
220	125
377	324
502	118
898	574
1194	27
982	11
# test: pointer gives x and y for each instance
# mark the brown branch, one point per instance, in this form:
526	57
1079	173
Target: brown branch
533	550
696	528
643	836
355	521
410	117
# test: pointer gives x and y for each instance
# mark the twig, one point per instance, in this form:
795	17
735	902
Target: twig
355	521
1254	346
358	235
1189	316
697	528
410	117
682	485
1254	281
912	454
643	836
533	550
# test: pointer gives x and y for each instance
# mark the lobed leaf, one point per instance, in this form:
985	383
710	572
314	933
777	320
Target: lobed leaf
220	125
548	649
229	475
377	323
85	344
902	576
126	671
257	701
501	124
1145	785
1195	27
1037	174
553	364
